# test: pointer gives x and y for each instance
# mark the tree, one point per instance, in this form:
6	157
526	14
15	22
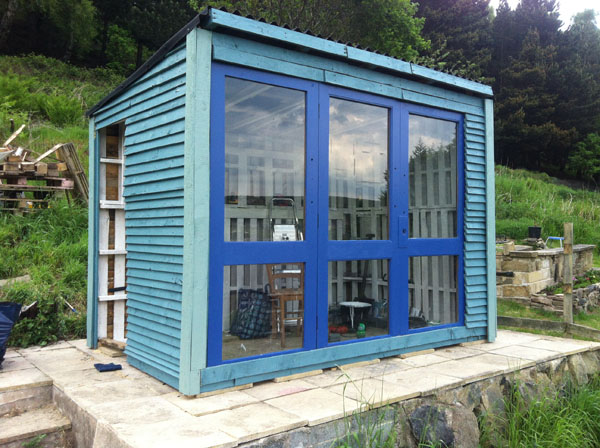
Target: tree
389	26
152	22
460	32
584	162
526	134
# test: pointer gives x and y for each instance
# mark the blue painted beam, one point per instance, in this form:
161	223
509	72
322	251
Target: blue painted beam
220	20
491	220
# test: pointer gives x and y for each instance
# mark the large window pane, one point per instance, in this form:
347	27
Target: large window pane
433	297
433	185
265	128
358	171
358	296
263	309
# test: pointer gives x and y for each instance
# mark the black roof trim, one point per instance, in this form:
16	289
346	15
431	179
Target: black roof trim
148	65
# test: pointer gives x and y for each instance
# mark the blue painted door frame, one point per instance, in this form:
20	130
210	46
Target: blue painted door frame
316	250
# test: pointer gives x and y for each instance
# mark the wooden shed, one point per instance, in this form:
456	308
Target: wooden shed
265	202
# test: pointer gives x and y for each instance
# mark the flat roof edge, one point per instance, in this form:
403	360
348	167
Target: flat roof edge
216	19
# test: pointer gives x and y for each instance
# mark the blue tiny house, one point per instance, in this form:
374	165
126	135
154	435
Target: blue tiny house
266	202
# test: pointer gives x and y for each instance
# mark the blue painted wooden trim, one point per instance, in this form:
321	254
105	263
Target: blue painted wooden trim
152	370
218	19
93	213
490	220
227	375
229	253
194	306
245	52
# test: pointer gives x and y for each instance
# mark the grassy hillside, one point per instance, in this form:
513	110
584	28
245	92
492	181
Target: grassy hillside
524	198
50	97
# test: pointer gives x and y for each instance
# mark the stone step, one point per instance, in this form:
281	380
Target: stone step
22	390
45	427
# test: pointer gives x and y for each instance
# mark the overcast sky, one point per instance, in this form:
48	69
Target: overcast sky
567	8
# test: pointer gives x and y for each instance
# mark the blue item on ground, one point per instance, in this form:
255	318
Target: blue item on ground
9	313
107	367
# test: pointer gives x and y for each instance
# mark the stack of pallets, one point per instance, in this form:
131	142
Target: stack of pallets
28	181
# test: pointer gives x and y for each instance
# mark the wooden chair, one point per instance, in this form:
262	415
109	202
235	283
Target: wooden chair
287	287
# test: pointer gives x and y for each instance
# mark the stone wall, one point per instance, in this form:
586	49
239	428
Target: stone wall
522	272
584	299
447	415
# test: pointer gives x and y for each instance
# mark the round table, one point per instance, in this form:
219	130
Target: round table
352	306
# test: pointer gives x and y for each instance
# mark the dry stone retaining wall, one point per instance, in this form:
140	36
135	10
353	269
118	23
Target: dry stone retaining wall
447	415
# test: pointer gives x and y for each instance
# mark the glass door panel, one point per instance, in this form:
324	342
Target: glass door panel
358	171
265	146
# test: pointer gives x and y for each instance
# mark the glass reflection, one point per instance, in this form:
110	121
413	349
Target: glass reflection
432	180
433	297
264	160
358	299
263	309
358	171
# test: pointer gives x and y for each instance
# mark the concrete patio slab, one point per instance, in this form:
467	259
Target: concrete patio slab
373	393
186	432
208	405
254	421
316	406
521	351
23	379
15	363
270	389
129	409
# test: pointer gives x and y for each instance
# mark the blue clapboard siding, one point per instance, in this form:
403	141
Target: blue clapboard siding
153	110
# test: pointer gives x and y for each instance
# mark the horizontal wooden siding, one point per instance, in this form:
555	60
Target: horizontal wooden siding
153	110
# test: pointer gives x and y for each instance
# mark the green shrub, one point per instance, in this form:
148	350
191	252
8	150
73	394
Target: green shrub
51	246
60	110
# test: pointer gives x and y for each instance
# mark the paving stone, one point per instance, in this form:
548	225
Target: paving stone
137	411
417	353
373	393
425	360
530	353
316	406
255	420
297	376
75	378
23	379
15	363
57	346
457	352
565	347
19	400
45	420
183	432
506	338
381	369
198	406
269	389
481	366
11	353
332	377
60	360
424	380
114	391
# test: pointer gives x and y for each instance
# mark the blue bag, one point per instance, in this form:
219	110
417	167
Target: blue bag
9	313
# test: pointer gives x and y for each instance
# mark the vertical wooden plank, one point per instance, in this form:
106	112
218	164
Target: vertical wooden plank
438	297
568	273
194	315
102	319
490	219
119	321
93	212
119	229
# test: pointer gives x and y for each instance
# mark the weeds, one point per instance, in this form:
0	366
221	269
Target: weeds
51	246
567	418
366	427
